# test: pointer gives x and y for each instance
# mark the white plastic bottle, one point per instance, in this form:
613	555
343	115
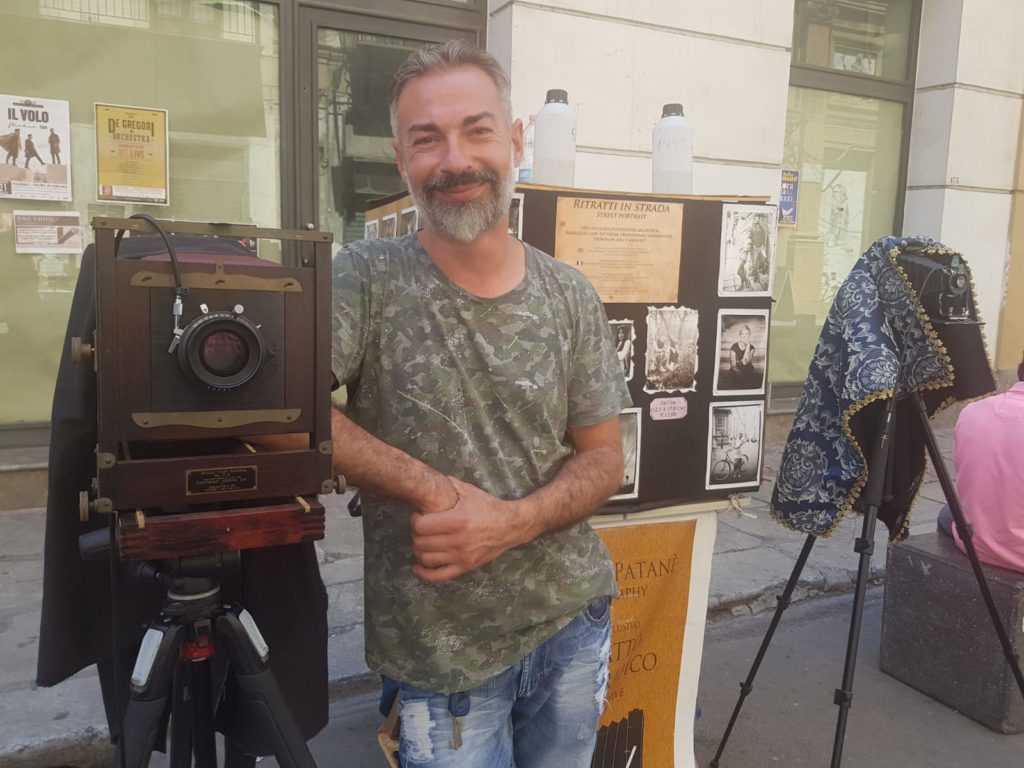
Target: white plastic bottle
554	153
673	152
529	140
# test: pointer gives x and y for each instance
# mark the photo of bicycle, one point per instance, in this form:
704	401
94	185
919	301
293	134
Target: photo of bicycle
734	444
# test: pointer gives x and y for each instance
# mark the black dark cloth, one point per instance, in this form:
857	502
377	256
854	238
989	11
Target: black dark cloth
280	586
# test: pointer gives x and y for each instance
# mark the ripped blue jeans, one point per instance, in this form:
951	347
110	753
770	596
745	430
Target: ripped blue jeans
541	713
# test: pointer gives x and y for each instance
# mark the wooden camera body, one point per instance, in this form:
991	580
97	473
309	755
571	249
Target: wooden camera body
246	352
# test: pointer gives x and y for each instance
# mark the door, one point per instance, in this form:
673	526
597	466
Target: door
345	159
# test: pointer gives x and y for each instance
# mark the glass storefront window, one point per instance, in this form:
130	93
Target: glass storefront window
865	37
846	150
357	163
213	66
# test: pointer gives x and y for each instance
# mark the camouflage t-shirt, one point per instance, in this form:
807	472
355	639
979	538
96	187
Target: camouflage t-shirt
482	389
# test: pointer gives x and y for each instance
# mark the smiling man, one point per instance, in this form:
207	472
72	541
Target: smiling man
482	430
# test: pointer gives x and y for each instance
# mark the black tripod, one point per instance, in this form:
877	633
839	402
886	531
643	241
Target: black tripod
880	473
173	668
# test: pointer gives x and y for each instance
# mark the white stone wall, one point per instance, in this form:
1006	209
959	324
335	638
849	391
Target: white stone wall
620	60
965	136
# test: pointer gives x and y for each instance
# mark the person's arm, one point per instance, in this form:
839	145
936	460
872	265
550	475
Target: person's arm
481	527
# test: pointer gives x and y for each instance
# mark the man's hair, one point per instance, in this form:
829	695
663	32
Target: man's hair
445	56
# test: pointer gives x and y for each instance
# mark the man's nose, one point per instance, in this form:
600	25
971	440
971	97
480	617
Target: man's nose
456	159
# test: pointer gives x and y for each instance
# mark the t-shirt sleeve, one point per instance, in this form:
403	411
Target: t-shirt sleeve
350	312
597	386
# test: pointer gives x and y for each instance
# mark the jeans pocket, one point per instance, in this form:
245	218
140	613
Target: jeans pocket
598	610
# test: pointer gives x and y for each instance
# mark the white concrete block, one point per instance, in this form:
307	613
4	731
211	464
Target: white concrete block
929	138
922	213
764	21
984	138
618	76
722	179
990	53
499	36
617	173
940	40
978	225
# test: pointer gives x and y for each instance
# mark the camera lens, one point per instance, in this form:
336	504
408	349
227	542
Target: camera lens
223	353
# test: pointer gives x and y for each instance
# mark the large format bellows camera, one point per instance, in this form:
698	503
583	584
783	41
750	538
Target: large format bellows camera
198	345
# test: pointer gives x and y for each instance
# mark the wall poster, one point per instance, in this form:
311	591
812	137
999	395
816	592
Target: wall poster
628	249
36	143
132	155
47	232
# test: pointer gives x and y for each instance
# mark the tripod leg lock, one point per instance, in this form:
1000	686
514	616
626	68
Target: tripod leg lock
864	546
783	602
843	698
746	688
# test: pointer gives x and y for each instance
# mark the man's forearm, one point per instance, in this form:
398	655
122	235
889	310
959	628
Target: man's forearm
581	486
370	464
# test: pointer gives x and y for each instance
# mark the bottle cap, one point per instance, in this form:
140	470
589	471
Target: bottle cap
672	109
557	95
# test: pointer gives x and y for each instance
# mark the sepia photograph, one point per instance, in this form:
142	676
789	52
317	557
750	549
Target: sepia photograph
629	425
742	352
409	222
624	337
734	444
671	349
389	225
515	215
371	229
747	258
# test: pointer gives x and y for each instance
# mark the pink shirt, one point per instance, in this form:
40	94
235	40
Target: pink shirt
988	453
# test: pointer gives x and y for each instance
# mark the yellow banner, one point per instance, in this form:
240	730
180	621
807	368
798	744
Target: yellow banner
131	154
652	566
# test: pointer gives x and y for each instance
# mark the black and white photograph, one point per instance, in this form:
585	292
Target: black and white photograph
747	258
624	336
734	444
389	225
371	229
671	364
742	351
515	214
409	222
629	426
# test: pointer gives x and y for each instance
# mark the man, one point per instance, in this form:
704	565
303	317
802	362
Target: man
54	140
30	151
988	453
11	142
482	429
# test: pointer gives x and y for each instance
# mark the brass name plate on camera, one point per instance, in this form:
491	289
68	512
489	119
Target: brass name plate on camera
217	280
215	419
220	480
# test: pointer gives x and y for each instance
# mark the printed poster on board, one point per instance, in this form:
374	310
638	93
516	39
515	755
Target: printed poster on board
35	145
47	232
132	155
652	569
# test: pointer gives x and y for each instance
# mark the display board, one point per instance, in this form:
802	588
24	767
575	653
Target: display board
686	284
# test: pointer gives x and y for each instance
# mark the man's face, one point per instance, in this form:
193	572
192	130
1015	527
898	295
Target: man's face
456	151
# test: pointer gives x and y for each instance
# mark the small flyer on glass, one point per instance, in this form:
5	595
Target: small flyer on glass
47	232
132	155
35	145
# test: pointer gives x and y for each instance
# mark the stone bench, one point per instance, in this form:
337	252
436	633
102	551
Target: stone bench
937	635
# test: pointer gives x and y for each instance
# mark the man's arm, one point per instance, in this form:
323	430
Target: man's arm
370	464
481	527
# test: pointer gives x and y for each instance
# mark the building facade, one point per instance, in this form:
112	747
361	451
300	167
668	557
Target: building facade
888	116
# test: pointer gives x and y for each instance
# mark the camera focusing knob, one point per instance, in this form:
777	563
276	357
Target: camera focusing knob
80	350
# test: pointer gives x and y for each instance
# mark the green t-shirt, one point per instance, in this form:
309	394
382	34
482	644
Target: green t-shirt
482	389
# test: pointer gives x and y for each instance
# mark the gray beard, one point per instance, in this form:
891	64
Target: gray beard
465	222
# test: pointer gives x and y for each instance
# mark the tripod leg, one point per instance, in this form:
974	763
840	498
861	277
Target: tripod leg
967	536
248	654
181	720
865	546
748	685
152	681
204	739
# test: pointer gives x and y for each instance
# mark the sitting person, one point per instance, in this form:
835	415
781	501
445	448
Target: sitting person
988	453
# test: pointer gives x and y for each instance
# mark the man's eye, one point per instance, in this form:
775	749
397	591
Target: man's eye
424	140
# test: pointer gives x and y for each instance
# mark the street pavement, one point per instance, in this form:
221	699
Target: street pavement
754	557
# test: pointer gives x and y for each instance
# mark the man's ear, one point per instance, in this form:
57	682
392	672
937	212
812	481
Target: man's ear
517	142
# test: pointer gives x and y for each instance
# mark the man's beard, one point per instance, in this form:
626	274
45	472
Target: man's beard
468	220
